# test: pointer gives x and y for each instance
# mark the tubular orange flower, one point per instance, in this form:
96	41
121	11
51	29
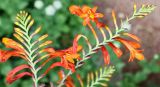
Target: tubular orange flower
5	55
17	50
9	43
133	48
88	14
11	77
116	50
67	57
105	55
132	36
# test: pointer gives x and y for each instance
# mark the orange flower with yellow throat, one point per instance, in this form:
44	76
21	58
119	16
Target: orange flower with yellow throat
67	56
87	14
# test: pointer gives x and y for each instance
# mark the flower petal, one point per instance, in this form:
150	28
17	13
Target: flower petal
71	67
75	43
86	21
9	43
139	56
10	80
69	82
132	56
134	53
48	50
61	75
76	48
53	55
11	77
129	47
84	16
5	55
70	58
75	10
98	15
123	41
100	24
94	9
132	36
105	55
116	50
134	44
85	9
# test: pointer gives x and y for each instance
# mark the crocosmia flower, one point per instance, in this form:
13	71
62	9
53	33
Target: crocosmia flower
132	46
17	50
88	14
67	56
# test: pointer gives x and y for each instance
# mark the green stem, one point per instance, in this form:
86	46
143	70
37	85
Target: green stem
30	58
34	71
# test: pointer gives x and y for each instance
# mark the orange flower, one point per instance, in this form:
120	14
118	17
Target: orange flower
68	57
88	14
17	50
12	76
133	47
106	55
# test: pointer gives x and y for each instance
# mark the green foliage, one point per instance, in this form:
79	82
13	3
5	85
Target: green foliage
99	78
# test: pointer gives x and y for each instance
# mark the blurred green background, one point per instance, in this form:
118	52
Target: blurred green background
61	26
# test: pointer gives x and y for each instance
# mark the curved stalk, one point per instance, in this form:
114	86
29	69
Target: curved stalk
31	62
